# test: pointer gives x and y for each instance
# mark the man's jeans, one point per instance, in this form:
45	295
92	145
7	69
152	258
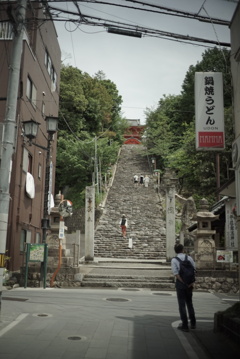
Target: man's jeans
184	296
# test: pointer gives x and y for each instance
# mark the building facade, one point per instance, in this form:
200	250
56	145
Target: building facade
38	98
134	133
235	70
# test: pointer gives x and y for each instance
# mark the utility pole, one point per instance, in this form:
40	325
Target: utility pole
89	223
96	167
9	129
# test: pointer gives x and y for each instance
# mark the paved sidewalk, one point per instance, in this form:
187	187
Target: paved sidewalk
214	345
108	324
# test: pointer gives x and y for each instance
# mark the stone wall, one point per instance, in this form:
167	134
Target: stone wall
218	281
77	220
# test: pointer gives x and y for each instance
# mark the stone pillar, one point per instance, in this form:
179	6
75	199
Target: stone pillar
89	223
188	217
204	245
169	182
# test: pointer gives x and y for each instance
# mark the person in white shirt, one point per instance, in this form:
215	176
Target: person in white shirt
135	180
184	290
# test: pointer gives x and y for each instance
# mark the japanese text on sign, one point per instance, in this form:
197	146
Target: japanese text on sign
209	110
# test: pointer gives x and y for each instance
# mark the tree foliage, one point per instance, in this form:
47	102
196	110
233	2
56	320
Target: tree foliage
90	130
171	131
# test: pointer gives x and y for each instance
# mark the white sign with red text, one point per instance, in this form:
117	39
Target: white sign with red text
209	111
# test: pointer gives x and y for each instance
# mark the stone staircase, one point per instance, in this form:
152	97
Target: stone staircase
149	274
128	281
142	208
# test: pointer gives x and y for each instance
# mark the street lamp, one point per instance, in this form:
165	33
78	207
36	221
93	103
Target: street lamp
31	128
30	131
52	125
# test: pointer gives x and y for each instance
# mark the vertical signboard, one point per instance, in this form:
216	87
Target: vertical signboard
209	111
36	253
61	229
231	225
49	204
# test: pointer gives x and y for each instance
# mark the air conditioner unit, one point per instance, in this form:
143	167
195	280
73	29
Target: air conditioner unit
236	152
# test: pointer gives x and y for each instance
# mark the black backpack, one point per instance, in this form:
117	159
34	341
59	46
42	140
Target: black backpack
187	271
123	222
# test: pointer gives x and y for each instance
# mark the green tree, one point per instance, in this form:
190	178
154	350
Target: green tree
159	137
171	130
89	109
73	101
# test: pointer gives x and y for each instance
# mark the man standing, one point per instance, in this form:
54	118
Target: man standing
184	287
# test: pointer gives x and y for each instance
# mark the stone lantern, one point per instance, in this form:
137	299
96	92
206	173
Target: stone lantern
204	244
52	238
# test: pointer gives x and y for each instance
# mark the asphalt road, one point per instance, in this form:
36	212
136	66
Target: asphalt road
102	324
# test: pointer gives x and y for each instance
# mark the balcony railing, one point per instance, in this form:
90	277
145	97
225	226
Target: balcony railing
6	31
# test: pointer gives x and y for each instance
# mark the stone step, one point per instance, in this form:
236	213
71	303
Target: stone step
166	286
130	256
127	254
140	264
127	278
128	283
142	207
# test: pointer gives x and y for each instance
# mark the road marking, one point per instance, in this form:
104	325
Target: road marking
15	322
183	337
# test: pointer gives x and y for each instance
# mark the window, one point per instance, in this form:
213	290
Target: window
1	138
39	171
49	65
25	238
43	109
51	71
48	62
27	161
6	31
38	237
54	81
31	92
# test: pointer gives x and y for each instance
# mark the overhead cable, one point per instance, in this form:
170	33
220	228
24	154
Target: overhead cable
106	23
157	9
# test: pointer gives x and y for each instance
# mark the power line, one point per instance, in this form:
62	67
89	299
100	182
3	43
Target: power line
106	23
158	9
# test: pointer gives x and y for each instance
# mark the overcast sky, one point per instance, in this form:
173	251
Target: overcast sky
143	69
